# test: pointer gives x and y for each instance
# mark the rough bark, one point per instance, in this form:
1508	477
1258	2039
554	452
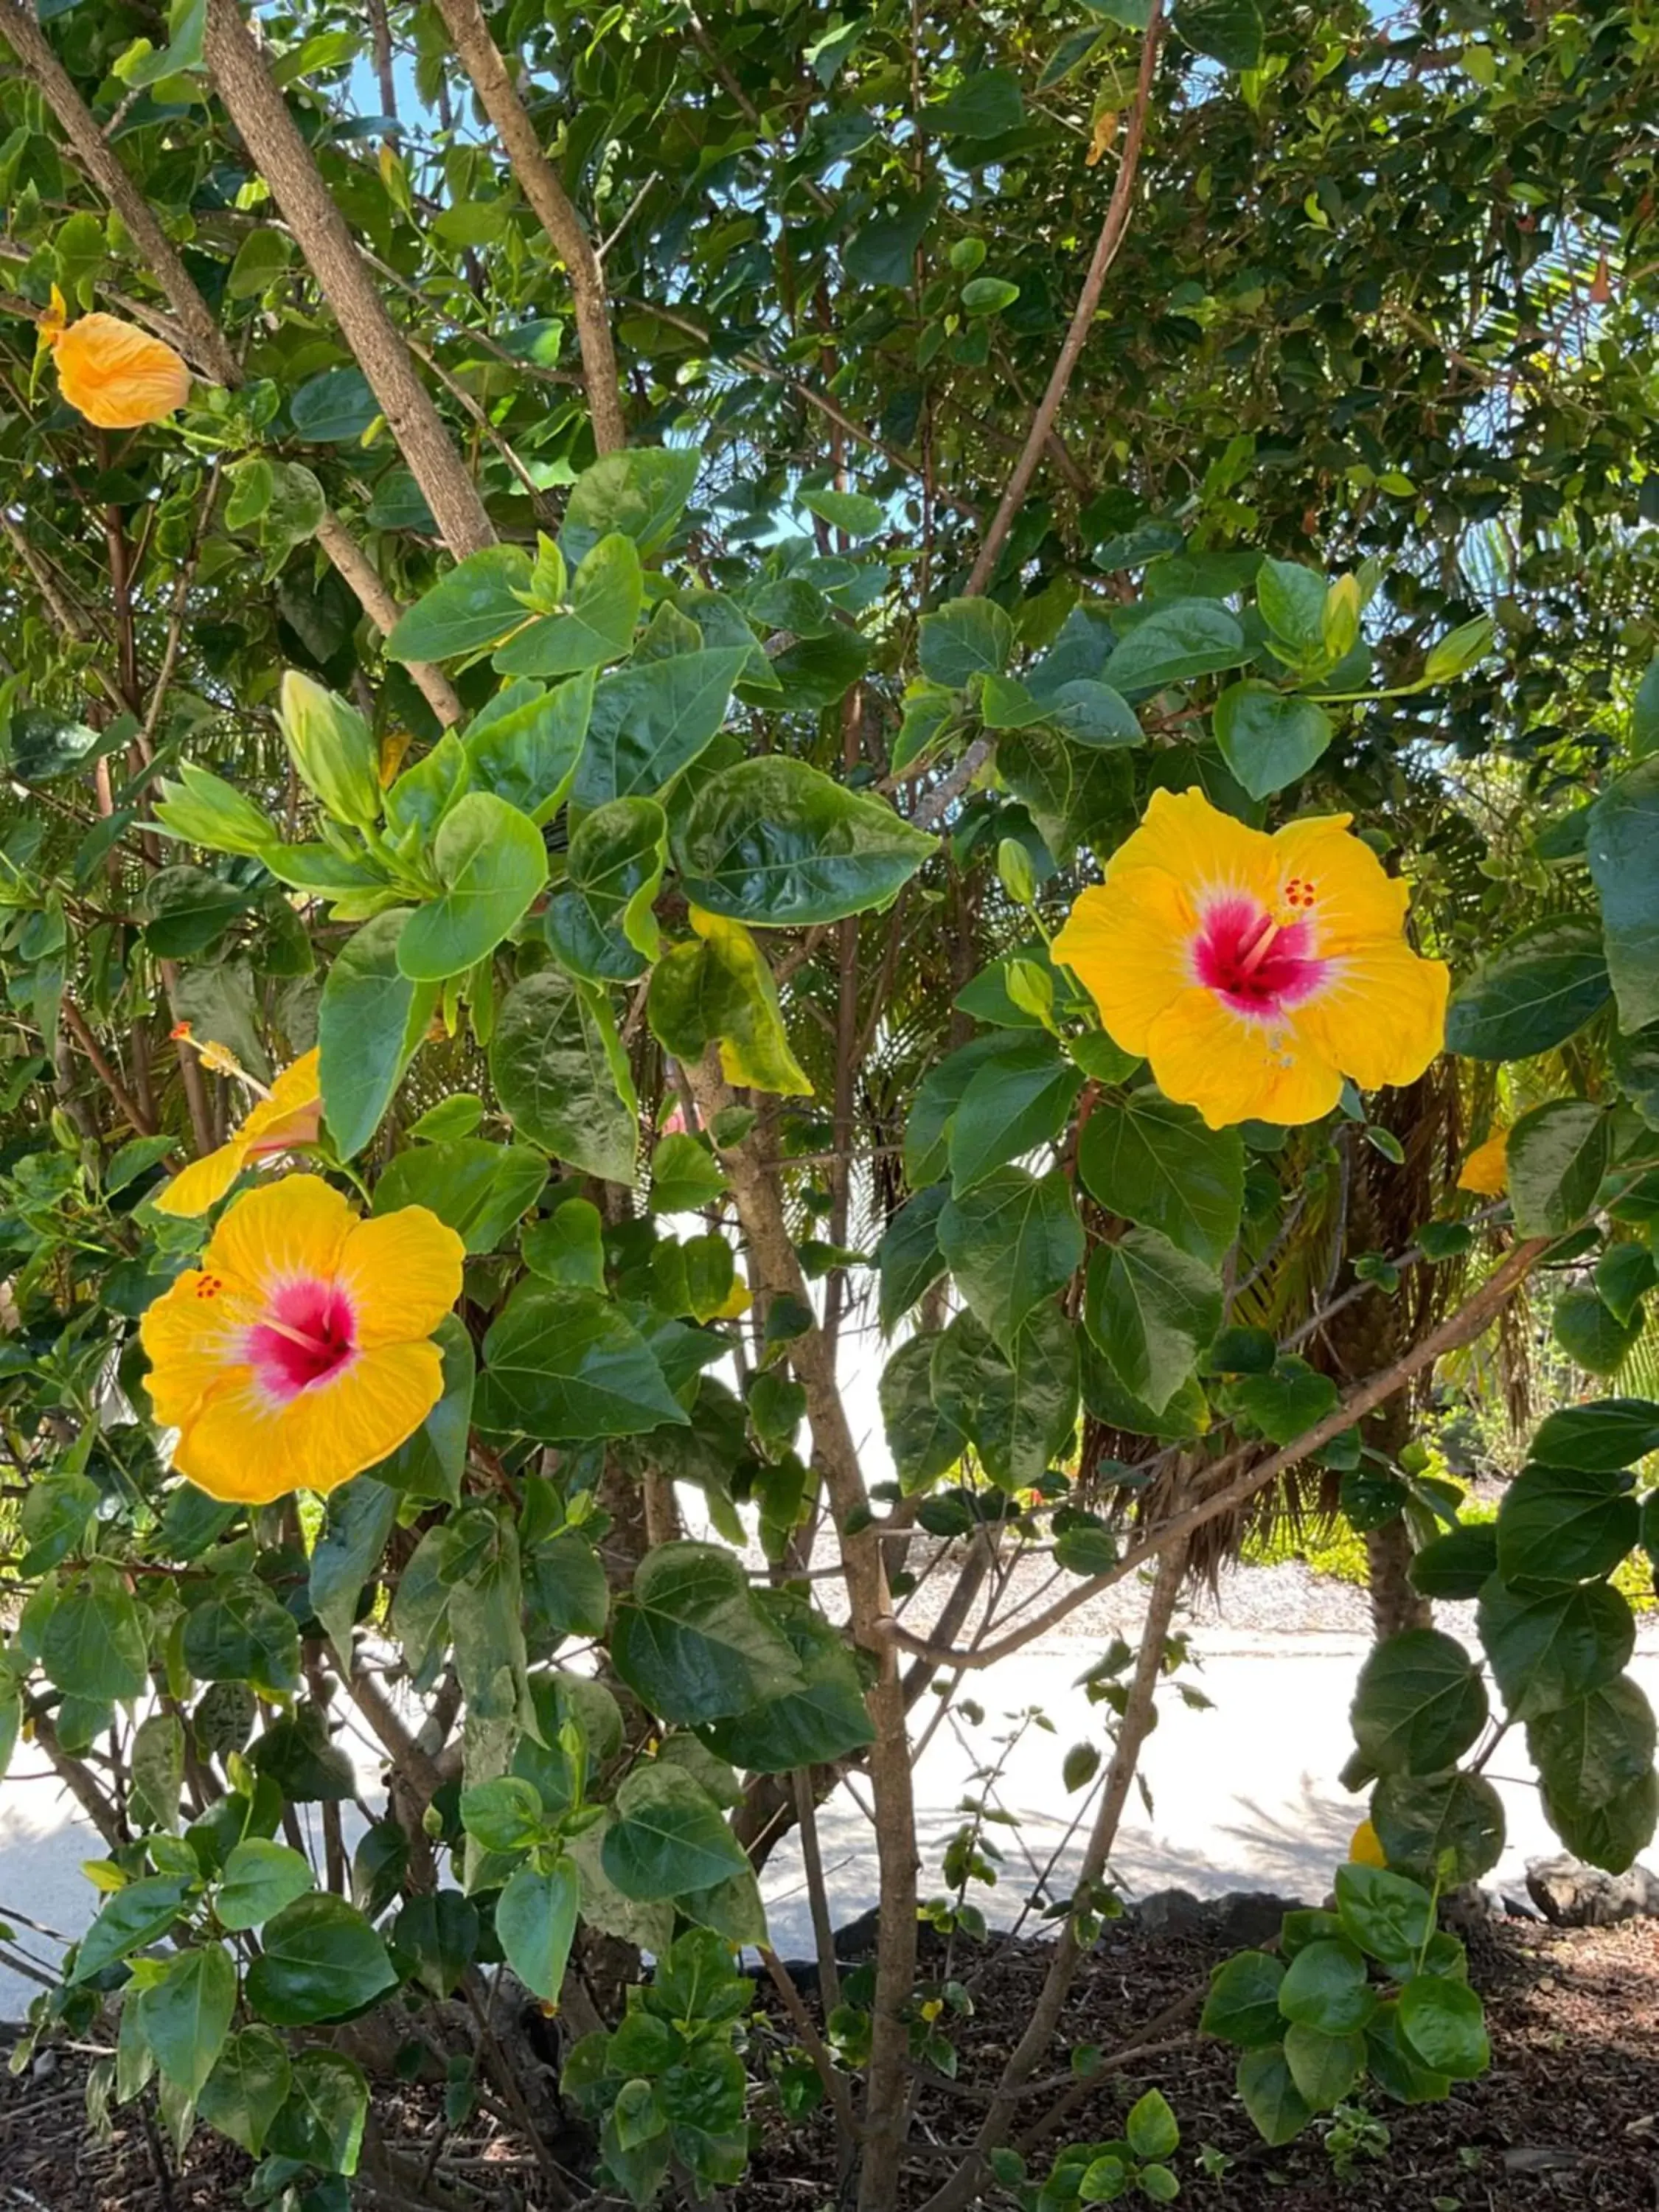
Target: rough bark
272	138
539	182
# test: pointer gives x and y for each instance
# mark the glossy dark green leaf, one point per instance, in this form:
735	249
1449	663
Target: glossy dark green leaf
668	1835
823	1720
773	841
1156	1164
185	2016
1420	1704
962	639
322	2119
1016	1102
491	862
1418	1820
1538	990
1269	738
1152	1309
1174	643
1612	1433
1243	2005
536	1924
319	1961
94	1645
1277	2108
1556	1158
1445	2027
1011	1242
566	1366
370	1022
563	1075
692	1642
925	1442
1558	1525
246	2089
483	1190
652	721
908	1259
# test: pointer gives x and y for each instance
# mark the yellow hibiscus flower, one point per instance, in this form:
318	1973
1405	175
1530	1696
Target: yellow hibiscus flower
1486	1170
1254	972
290	1114
117	376
300	1351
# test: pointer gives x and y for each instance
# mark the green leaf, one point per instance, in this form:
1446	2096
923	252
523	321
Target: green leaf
1243	2005
1286	1403
668	1835
1457	1565
441	1933
322	2119
1180	640
371	1019
1269	738
563	1077
1156	1164
490	859
44	745
1556	1157
1590	1753
718	987
1011	1242
775	842
908	1258
1591	1335
334	409
1229	31
597	626
988	295
685	1177
1151	2127
1386	1914
360	1518
1019	1409
567	1247
240	1632
1612	1433
296	1754
1623	850
536	1924
1558	1524
925	1442
641	492
1444	2026
135	1917
602	927
652	721
1419	1821
854	512
566	1366
1152	1309
1324	2067
1290	600
1610	1833
984	105
690	1641
476	604
94	1645
1270	2096
185	2016
319	1961
1395	2067
1419	1705
1326	1986
249	2084
884	252
1546	1647
568	1588
503	1815
962	639
1537	991
523	745
1016	1102
1624	1276
260	1878
482	1189
1093	714
822	1721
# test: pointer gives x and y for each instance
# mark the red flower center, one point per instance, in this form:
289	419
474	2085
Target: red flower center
1257	964
308	1334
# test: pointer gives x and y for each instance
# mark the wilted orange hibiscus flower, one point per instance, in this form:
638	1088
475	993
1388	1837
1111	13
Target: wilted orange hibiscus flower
300	1351
115	375
1254	972
1486	1170
289	1114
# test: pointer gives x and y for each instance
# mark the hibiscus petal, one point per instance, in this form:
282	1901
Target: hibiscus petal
402	1273
1380	1015
1238	1067
117	376
283	1230
1354	898
194	1189
1126	942
247	1446
1207	852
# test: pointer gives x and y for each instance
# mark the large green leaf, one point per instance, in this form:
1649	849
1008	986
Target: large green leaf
480	1188
1590	1753
1623	848
1592	1336
601	926
668	1835
135	1917
260	1878
823	1720
1556	1157
1420	1704
1152	1309
718	989
652	721
1559	1524
319	1961
596	625
1613	1432
908	1259
641	492
1326	1986
1018	1407
1442	2023
925	1442
475	604
1011	1242
523	745
691	1642
185	2016
370	1022
1276	2106
1546	1647
347	1549
1537	991
1016	1101
563	1077
1175	642
1242	2004
941	1092
962	639
1156	1164
322	2119
491	862
775	842
1269	738
93	1643
536	1924
566	1366
246	2089
1419	1819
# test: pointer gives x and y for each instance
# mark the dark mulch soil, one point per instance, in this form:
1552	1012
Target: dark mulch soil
1568	2117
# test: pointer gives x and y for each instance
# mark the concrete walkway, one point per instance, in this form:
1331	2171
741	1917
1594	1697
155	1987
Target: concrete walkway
1242	1794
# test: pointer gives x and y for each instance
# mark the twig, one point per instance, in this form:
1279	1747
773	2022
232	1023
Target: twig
383	611
125	1104
835	2082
